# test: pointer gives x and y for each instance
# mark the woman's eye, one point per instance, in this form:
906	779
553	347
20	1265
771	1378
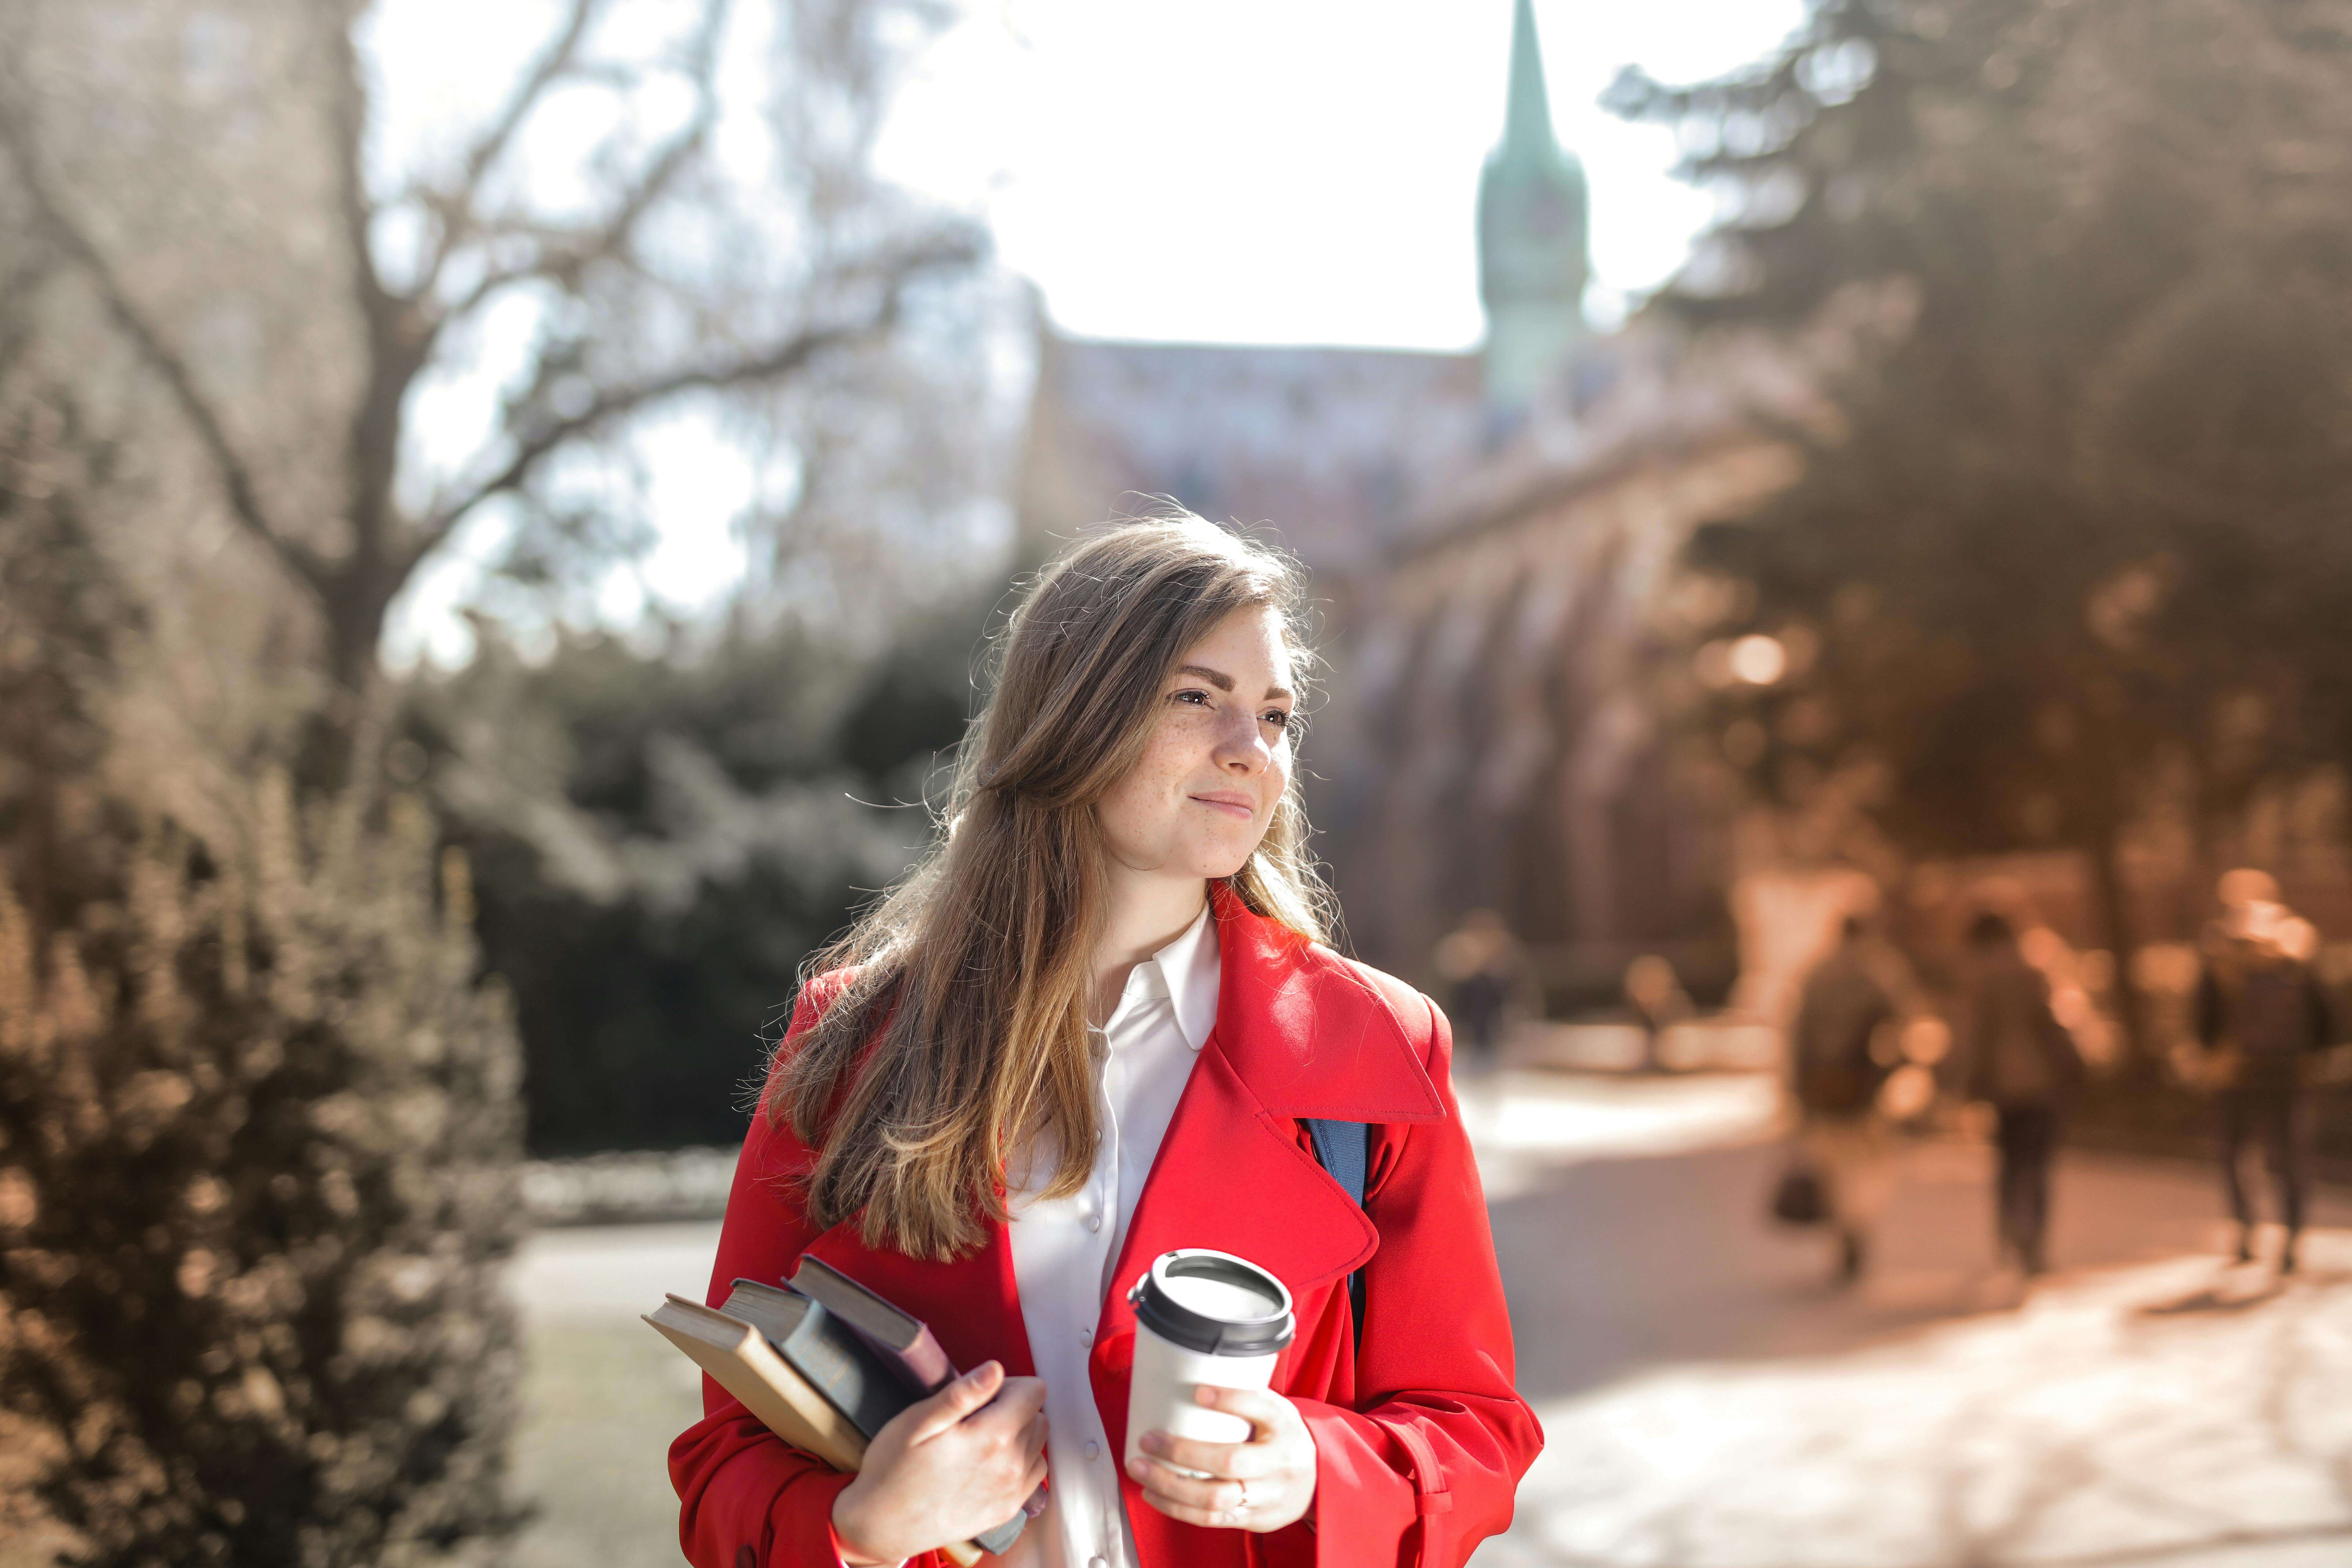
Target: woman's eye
1278	718
1196	697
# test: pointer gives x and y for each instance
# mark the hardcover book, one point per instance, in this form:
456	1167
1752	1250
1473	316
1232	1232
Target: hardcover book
807	1376
853	1379
746	1365
904	1342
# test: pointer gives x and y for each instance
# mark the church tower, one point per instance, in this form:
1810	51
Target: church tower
1532	262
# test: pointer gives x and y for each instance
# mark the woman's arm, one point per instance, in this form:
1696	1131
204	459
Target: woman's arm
1427	1466
970	1452
746	1498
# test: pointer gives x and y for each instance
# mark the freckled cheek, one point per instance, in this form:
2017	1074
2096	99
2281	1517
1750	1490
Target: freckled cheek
1176	751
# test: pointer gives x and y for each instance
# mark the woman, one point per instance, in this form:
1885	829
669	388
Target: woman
1086	1032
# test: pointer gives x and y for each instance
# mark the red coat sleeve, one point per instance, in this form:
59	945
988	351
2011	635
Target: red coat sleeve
746	1498
1426	1464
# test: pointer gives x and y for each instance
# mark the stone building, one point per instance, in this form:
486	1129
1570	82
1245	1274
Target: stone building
1500	729
1492	537
1336	451
1344	452
1533	223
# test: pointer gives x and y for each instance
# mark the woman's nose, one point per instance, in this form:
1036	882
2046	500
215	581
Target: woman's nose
1241	746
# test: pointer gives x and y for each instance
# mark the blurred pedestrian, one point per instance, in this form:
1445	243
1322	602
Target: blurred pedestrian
2019	1057
1835	1076
1655	993
1485	964
2260	1011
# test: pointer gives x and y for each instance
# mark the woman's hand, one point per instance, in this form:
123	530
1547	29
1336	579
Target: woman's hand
1261	1485
946	1468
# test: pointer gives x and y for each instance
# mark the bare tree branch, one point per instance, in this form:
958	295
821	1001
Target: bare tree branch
564	253
237	479
398	339
612	403
616	402
567	253
348	111
459	208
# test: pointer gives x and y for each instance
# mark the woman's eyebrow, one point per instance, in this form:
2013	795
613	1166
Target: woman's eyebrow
1215	677
1225	682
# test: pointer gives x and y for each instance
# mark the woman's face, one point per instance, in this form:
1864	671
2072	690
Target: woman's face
1199	800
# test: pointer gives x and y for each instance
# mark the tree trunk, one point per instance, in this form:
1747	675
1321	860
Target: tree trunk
357	594
337	731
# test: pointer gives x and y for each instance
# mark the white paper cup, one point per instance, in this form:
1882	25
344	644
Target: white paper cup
1202	1317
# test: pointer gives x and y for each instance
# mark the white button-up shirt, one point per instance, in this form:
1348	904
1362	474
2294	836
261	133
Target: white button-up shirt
1063	1248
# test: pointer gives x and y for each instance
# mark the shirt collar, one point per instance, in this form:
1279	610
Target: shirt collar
1185	972
1189	967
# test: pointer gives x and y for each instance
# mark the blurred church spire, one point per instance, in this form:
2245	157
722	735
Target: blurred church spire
1532	260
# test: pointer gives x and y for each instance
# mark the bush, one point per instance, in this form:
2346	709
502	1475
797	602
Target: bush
661	838
257	1140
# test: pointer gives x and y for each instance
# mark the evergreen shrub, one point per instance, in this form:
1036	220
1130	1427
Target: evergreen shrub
661	838
258	1130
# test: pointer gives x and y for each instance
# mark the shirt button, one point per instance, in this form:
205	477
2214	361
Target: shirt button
1094	1221
1094	1450
1098	1563
1085	1336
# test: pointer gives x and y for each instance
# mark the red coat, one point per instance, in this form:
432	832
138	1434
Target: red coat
1420	1440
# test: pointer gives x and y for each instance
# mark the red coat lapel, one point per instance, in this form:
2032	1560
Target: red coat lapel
1299	1033
1307	1032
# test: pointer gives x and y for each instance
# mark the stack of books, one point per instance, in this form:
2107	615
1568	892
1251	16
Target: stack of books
824	1362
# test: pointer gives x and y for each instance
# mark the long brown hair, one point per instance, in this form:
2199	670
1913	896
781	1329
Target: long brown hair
964	1030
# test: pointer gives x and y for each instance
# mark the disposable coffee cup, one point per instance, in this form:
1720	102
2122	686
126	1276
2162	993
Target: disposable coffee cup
1202	1317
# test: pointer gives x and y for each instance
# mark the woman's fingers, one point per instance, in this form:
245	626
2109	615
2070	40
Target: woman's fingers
1206	1491
957	1400
1261	1409
1208	1519
1210	1502
1032	1441
1263	1484
1019	1402
1237	1461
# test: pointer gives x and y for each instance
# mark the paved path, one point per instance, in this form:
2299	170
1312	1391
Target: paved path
602	1393
1710	1402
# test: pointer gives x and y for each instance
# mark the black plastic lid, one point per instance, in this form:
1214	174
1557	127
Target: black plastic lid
1160	1312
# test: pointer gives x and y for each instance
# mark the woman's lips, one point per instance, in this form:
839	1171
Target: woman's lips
1238	807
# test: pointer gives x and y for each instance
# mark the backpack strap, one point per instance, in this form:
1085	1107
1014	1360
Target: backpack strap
1344	1148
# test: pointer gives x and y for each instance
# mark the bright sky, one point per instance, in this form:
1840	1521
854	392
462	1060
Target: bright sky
1220	171
1293	170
